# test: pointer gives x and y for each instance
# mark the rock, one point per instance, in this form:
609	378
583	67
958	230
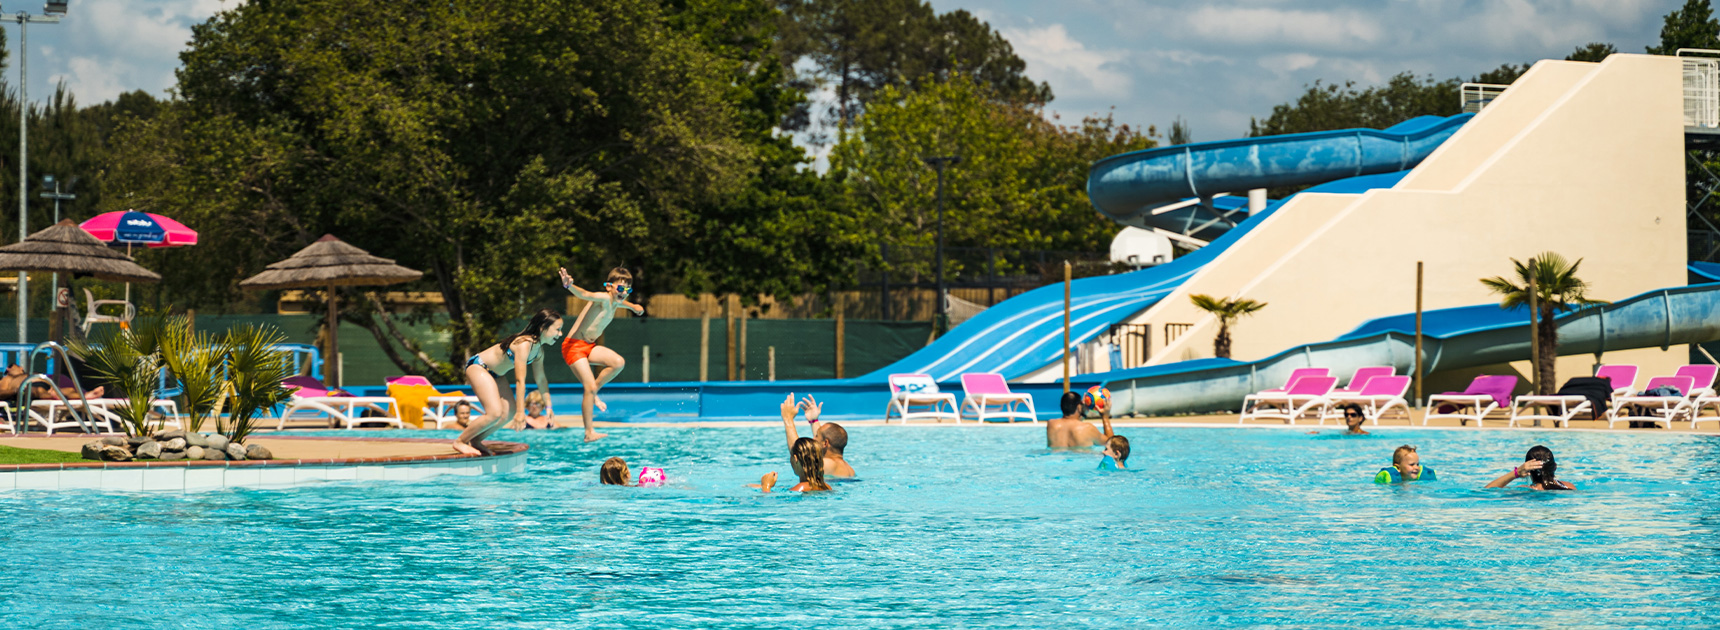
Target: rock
116	454
214	455
148	450
92	450
164	436
172	456
194	452
175	445
215	441
258	451
196	439
236	452
135	440
114	440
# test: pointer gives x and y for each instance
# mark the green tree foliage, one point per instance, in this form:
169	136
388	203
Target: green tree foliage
1690	26
1021	182
1179	133
1557	289
485	144
1227	310
1594	52
859	47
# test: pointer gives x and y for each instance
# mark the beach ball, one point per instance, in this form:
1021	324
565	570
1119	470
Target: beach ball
649	476
1097	398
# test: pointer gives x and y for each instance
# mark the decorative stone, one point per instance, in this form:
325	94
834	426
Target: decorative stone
114	440
214	454
215	441
196	439
135	440
194	452
175	445
172	456
92	450
236	452
258	451
169	435
148	450
116	454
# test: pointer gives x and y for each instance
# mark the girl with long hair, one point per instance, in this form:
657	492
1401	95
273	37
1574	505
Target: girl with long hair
808	462
1540	467
514	354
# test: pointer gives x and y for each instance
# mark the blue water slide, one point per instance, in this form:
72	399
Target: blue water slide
1454	338
1136	188
1024	333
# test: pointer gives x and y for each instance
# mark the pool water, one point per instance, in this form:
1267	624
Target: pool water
948	527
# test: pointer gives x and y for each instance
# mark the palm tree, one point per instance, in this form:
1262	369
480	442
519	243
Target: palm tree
1227	311
1557	288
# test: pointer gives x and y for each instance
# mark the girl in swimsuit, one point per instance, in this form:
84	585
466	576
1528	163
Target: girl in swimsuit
1539	466
514	354
808	463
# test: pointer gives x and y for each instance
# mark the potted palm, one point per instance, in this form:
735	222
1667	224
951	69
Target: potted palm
1227	310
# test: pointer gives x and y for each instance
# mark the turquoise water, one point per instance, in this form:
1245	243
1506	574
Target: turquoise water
949	527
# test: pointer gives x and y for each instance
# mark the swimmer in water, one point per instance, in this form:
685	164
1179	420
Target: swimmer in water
1116	450
808	464
614	472
1406	466
1353	420
1070	431
832	438
1539	467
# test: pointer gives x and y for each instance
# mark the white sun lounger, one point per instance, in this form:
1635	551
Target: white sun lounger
1308	395
1475	403
1657	409
1562	409
916	396
1380	395
987	397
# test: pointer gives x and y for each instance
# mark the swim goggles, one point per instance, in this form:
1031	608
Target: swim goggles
618	288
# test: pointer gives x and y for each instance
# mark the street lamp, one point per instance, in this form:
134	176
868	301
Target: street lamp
940	163
51	13
48	181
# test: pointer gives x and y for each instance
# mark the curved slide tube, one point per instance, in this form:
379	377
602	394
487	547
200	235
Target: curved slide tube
1452	339
1129	187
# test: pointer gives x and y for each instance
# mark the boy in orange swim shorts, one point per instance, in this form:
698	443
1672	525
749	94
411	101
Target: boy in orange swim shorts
580	347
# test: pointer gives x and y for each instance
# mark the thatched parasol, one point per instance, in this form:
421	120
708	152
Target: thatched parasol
329	263
66	248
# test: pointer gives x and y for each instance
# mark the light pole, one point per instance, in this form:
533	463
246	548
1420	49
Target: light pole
47	182
940	163
51	13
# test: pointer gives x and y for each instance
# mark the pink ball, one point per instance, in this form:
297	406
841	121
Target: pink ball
649	476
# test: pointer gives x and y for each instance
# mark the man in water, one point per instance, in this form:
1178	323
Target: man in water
832	438
1070	431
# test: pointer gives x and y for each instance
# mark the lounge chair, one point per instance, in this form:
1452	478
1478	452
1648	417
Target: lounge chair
1562	409
911	391
1485	394
1644	408
311	401
94	315
438	407
1296	376
1308	394
988	397
1361	377
1702	375
1379	395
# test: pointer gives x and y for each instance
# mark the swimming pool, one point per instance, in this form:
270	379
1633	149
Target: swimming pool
949	527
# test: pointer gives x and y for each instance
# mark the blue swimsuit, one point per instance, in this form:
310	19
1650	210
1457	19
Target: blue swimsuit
534	355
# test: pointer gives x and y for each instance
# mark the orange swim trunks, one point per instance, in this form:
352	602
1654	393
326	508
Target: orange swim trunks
575	349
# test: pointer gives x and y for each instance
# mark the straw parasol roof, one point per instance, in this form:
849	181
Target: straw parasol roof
66	248
330	262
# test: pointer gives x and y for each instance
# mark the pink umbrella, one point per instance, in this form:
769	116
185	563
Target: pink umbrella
141	228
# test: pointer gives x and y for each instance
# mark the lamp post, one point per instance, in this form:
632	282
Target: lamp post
51	13
940	163
48	181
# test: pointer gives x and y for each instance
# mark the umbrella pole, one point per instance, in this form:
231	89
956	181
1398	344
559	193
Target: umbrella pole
128	284
331	361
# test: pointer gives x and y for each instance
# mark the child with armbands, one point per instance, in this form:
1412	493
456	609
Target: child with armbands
1406	466
615	473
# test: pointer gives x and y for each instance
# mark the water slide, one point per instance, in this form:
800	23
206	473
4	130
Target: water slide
1025	333
1453	339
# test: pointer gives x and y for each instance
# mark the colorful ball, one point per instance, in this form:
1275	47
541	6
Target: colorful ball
1097	398
649	476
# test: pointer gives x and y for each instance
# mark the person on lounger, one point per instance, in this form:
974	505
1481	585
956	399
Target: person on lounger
1070	431
1539	467
9	385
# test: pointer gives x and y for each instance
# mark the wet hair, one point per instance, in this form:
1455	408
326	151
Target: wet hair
466	404
614	472
1119	445
810	462
1071	404
1548	467
1401	452
835	437
534	328
536	397
620	274
1355	408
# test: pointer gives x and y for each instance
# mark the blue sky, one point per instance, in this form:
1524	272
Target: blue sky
1215	63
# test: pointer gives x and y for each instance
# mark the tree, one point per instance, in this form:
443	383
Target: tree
1227	310
1595	52
1557	288
485	144
859	47
1179	133
1692	26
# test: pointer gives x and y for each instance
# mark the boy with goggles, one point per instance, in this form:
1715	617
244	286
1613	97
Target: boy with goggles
580	347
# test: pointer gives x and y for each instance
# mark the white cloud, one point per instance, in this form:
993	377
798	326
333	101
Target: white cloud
105	47
1325	29
1068	65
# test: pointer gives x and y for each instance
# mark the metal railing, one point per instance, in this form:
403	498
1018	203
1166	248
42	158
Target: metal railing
1134	344
82	414
1701	88
1476	96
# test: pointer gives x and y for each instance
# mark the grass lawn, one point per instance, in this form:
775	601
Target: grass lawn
14	455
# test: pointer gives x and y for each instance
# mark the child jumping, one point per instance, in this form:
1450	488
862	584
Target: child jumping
580	348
